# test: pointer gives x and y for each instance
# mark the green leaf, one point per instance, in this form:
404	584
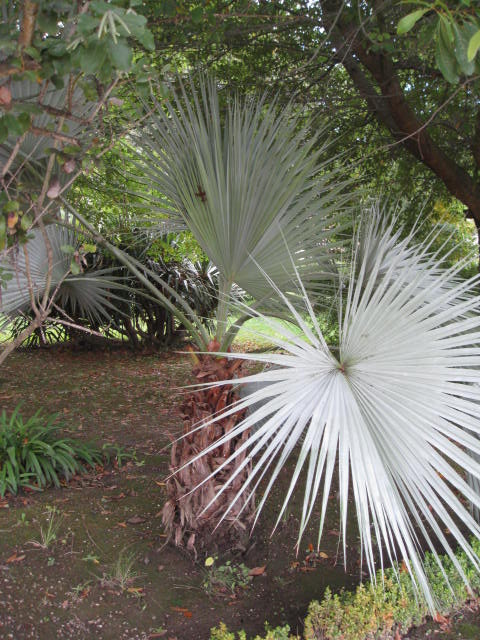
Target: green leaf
89	248
75	268
58	81
13	125
462	35
3	131
25	121
26	221
67	248
92	56
10	206
147	40
87	23
120	54
473	46
196	15
410	20
444	55
71	149
135	22
33	53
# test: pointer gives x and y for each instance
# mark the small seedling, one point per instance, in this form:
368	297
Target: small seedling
225	579
122	572
80	591
23	520
49	533
90	557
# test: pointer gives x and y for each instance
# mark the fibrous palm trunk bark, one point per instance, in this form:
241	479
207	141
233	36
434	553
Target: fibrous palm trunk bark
187	521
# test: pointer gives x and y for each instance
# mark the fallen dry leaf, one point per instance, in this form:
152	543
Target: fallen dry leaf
322	554
440	619
119	497
15	558
257	571
121	524
136	520
136	590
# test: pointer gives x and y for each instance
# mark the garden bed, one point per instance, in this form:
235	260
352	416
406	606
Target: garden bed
107	572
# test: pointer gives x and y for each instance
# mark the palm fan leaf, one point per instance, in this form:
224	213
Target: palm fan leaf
246	183
44	103
91	293
394	409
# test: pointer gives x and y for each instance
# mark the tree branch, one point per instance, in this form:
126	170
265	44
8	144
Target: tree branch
391	107
27	29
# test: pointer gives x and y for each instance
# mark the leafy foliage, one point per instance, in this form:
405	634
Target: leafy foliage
142	319
378	609
381	607
456	31
278	633
33	455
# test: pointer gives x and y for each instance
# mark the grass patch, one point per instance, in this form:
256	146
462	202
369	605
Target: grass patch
258	331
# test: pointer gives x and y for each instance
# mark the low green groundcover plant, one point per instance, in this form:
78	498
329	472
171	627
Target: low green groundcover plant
33	454
375	611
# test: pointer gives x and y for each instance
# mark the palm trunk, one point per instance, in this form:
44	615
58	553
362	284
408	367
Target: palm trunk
186	521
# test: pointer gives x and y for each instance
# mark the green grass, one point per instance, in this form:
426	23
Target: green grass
259	332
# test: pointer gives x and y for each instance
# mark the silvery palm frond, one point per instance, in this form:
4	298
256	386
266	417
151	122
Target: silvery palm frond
247	183
393	410
380	242
92	293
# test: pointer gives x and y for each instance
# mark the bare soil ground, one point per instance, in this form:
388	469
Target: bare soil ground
109	574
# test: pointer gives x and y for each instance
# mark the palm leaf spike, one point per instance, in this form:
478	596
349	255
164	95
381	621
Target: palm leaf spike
237	180
378	238
402	383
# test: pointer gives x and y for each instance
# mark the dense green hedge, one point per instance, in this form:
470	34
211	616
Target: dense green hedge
376	611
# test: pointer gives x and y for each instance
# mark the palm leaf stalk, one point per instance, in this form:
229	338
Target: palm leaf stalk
393	410
242	179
